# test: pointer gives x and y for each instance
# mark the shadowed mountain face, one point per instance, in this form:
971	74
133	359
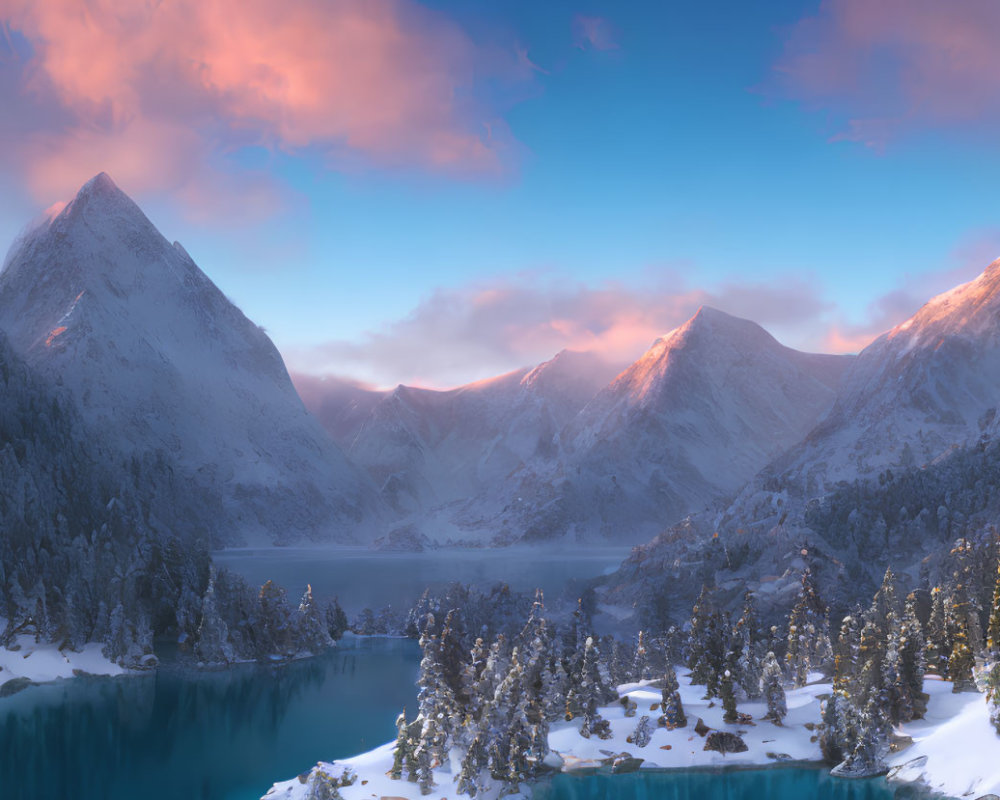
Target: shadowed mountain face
156	359
565	451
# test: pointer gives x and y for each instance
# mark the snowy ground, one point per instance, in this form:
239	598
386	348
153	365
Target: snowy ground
46	662
955	750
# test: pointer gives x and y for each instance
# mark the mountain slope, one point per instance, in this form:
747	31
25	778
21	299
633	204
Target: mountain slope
928	385
559	451
157	359
707	406
435	451
905	463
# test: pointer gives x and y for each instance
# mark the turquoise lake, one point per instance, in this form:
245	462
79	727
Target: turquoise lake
182	734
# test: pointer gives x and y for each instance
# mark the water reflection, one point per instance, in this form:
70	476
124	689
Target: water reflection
179	733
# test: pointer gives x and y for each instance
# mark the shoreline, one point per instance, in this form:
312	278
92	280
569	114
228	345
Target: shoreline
936	762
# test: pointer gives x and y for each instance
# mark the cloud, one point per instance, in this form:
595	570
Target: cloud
475	331
594	33
883	68
968	259
157	93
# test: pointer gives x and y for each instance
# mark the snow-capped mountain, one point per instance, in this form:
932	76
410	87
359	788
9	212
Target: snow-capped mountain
705	408
927	386
905	462
433	451
158	360
559	451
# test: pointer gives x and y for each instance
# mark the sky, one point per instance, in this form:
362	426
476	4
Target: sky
436	192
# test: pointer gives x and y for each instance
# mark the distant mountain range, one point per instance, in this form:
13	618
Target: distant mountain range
716	419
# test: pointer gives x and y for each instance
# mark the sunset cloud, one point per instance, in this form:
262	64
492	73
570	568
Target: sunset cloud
968	259
482	329
888	67
156	93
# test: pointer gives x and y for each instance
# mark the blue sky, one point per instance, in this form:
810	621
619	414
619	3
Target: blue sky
618	164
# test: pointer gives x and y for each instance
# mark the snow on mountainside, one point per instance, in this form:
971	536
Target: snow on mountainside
431	451
558	451
905	463
157	359
919	390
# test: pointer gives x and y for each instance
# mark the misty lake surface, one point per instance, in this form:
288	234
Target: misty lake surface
362	578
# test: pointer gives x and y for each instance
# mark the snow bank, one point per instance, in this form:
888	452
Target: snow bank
46	662
955	750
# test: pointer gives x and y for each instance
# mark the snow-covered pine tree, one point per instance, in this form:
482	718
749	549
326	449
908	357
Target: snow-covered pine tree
772	690
993	626
938	640
470	778
212	645
808	632
749	636
311	633
962	659
872	745
670	701
425	771
845	662
591	692
642	734
640	663
993	694
911	652
399	752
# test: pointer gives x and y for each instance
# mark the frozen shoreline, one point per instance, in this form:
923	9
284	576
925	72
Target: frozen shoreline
955	751
42	663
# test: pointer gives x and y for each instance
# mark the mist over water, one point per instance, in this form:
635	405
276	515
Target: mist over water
361	578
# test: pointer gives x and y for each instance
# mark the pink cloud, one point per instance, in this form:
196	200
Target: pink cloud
887	66
154	92
594	32
466	333
969	258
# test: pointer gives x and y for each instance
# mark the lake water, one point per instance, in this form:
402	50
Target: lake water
787	783
180	734
361	578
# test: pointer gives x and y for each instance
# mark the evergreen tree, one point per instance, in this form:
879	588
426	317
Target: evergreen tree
671	706
938	640
640	663
748	634
212	645
642	734
311	632
399	752
962	660
336	620
470	779
912	663
808	632
993	695
772	690
993	627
